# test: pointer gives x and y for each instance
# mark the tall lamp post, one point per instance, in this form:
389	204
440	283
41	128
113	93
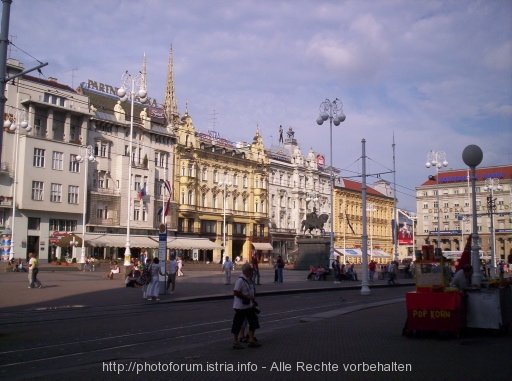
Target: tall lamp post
437	159
86	154
127	91
334	112
371	208
224	184
492	184
472	156
16	119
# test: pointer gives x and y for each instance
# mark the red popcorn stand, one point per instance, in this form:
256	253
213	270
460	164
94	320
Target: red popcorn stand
434	306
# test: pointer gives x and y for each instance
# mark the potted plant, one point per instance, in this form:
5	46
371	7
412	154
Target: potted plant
145	161
55	261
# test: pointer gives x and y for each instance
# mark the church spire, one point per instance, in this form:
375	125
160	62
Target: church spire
170	104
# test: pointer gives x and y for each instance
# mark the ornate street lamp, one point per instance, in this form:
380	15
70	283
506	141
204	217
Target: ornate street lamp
438	160
492	184
16	119
334	112
127	91
472	156
86	154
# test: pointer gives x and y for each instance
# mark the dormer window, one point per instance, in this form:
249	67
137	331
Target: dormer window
213	149
202	145
232	153
223	150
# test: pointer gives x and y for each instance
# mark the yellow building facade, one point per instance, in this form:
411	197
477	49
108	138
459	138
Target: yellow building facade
217	184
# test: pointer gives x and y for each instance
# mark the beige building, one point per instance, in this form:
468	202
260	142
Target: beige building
50	184
449	196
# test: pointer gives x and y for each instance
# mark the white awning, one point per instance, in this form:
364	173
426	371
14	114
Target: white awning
191	243
112	240
262	246
348	252
380	254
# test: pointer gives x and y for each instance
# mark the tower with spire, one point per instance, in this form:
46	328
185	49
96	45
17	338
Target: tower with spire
170	104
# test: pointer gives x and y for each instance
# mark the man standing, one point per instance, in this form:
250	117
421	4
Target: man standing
336	269
392	270
226	269
33	269
243	304
372	267
255	268
280	267
171	273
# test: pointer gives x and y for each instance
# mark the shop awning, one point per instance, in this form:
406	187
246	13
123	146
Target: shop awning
191	243
112	240
262	246
380	254
348	252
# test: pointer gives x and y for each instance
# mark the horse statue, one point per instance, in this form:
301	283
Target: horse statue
314	221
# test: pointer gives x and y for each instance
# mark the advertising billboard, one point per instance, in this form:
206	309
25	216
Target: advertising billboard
405	226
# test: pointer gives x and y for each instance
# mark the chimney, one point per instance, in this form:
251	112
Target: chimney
52	79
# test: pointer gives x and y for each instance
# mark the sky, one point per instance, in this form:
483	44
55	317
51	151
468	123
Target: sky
426	75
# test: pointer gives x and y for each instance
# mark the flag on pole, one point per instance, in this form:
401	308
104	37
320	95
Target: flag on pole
167	184
142	192
349	224
167	205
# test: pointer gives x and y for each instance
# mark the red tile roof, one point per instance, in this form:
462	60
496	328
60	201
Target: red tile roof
457	176
355	186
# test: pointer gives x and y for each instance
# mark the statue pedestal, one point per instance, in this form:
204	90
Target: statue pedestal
313	252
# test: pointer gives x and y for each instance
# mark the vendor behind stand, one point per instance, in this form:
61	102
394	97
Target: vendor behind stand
462	278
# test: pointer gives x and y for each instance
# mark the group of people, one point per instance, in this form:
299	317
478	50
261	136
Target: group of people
17	265
341	272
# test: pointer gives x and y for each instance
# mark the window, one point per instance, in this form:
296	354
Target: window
57	160
136	213
33	223
425	205
436	204
74	165
239	228
445	205
72	194
203	200
138	180
190	170
214	201
37	190
204	174
424	194
62	225
183	197
235	179
455	191
208	226
190	198
245	205
215	176
39	157
245	181
425	217
56	193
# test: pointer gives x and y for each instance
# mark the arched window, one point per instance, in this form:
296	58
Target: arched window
203	200
183	197
214	201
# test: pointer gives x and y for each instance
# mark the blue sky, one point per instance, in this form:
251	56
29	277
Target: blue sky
436	74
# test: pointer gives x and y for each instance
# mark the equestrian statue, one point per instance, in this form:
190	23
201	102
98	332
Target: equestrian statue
314	221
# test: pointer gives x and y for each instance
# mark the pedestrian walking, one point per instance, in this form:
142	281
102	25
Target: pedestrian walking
336	268
392	271
33	269
171	273
154	270
371	269
180	265
280	266
255	268
226	269
244	304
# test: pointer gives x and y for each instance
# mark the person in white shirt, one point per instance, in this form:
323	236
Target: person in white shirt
226	269
462	278
171	273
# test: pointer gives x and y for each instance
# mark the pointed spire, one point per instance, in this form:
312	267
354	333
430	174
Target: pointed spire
170	103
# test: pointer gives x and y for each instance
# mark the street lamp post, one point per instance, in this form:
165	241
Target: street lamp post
127	91
472	156
224	184
86	154
437	159
334	112
371	208
16	119
492	184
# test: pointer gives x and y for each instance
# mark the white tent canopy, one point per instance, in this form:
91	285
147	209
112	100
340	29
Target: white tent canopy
113	240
